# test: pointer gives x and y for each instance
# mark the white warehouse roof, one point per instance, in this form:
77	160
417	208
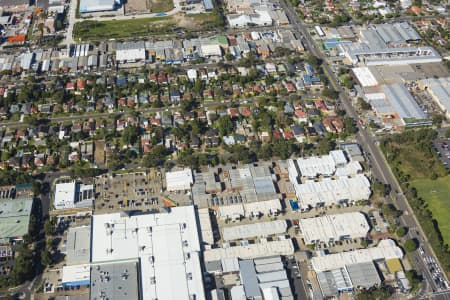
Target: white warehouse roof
179	180
334	227
365	76
87	6
261	229
165	244
65	195
319	165
332	191
250	251
386	249
130	51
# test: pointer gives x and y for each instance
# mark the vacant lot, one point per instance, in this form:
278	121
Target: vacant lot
157	6
136	6
94	30
435	193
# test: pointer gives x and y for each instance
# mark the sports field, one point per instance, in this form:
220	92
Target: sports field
436	193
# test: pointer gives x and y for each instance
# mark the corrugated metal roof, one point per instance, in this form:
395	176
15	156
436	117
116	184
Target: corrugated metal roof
249	279
363	274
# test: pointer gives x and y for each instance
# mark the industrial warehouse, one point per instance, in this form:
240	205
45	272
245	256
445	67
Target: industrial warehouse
333	228
387	44
154	249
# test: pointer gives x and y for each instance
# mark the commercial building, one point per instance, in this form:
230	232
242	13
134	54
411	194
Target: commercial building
258	284
78	247
73	195
115	281
311	167
14	5
179	180
88	6
249	210
207	234
253	230
166	247
360	275
330	228
130	52
332	191
245	250
396	102
76	275
439	90
386	249
361	53
364	76
14	218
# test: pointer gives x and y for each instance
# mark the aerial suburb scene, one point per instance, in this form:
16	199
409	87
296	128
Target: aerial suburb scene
224	149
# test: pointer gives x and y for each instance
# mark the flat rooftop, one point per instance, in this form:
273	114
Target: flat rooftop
78	245
15	217
166	245
115	281
334	227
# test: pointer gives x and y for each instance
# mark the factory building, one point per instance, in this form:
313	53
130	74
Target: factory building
89	6
439	90
331	228
179	180
130	52
386	249
395	102
73	195
14	218
163	247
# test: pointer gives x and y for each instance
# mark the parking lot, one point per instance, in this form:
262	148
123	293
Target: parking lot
442	147
129	191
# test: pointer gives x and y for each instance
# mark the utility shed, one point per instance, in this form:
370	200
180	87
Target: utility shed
363	275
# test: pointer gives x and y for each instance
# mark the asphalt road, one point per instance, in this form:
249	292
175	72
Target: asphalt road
298	285
380	168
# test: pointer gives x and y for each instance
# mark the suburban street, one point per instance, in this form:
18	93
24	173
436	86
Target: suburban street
381	169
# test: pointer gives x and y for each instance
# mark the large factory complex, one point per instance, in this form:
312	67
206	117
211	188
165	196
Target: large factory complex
141	254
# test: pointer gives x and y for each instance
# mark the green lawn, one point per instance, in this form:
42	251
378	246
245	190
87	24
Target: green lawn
95	30
436	194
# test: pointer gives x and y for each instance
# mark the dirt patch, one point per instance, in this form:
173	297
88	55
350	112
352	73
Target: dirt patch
136	7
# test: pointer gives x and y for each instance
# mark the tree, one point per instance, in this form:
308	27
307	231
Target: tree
224	125
437	120
45	258
402	231
229	57
313	60
363	104
156	157
324	146
364	243
410	245
49	227
447	133
329	93
130	135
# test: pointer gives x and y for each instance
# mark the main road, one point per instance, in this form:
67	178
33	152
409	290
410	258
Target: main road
380	167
